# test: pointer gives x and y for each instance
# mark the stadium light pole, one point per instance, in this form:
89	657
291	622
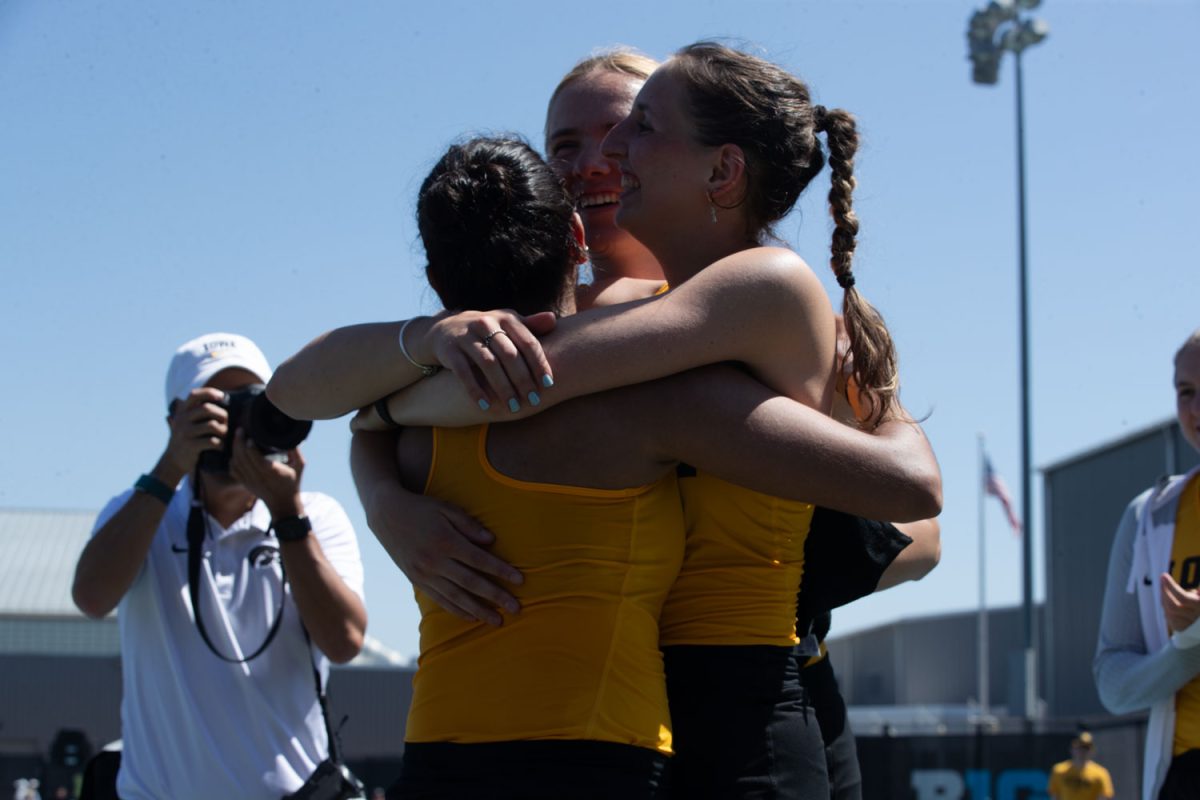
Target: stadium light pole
997	28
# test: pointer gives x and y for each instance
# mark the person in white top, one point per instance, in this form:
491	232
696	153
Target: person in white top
204	714
1148	649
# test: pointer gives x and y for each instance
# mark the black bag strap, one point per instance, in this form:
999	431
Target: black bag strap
335	745
197	528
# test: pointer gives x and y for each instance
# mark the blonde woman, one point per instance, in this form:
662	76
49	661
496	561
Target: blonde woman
1147	655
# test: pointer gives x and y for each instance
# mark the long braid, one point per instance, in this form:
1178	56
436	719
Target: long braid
874	353
736	98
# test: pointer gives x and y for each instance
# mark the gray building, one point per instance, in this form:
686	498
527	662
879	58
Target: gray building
932	660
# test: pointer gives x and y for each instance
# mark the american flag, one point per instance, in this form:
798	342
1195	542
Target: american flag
993	484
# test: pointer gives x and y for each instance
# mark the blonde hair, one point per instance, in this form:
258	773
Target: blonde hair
1191	341
621	60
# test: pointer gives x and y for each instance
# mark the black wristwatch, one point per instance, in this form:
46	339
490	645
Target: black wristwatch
291	529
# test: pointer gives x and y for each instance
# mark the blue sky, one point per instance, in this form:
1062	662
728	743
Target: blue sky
171	169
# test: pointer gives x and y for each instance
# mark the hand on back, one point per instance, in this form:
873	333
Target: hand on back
443	552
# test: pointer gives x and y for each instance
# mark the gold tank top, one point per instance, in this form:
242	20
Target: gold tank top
742	566
581	659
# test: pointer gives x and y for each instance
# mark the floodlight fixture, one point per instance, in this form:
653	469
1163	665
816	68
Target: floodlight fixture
998	27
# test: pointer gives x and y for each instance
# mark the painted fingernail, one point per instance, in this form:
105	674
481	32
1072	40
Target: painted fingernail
547	381
534	399
484	404
513	405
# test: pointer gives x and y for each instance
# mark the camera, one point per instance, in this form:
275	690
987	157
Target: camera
330	781
271	430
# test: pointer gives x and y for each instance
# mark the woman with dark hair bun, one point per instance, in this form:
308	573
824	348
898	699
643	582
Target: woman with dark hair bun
568	698
476	212
440	549
530	709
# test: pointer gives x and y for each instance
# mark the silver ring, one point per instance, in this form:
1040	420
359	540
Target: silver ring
487	340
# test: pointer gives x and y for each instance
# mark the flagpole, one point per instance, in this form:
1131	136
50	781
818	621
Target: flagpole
983	615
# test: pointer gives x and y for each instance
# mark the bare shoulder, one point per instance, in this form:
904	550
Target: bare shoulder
761	269
765	286
767	261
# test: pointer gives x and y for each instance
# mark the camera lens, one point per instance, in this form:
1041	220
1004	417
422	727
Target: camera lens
270	428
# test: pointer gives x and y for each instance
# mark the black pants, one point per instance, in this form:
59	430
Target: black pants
1183	778
742	725
841	754
541	770
100	776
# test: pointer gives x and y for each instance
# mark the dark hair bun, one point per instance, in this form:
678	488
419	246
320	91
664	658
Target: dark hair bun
496	224
485	188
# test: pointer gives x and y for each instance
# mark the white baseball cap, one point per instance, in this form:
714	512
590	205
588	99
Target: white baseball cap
197	361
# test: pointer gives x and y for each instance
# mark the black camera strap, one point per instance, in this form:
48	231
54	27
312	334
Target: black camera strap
334	736
197	530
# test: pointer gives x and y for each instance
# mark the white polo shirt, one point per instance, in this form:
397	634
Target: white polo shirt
195	726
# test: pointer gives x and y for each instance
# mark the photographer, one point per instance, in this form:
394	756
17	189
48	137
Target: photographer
223	703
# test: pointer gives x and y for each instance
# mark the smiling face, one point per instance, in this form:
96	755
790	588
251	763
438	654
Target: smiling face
1187	390
579	117
665	171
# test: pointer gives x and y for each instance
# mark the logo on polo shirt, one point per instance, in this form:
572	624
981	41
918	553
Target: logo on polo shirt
263	556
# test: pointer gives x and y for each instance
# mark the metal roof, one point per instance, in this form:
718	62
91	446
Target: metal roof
1112	444
38	551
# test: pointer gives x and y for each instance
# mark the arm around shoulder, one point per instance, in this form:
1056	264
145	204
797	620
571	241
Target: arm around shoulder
917	559
346	369
726	422
733	310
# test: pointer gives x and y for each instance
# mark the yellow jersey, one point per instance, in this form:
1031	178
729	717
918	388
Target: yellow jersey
742	566
1185	569
1069	783
581	659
